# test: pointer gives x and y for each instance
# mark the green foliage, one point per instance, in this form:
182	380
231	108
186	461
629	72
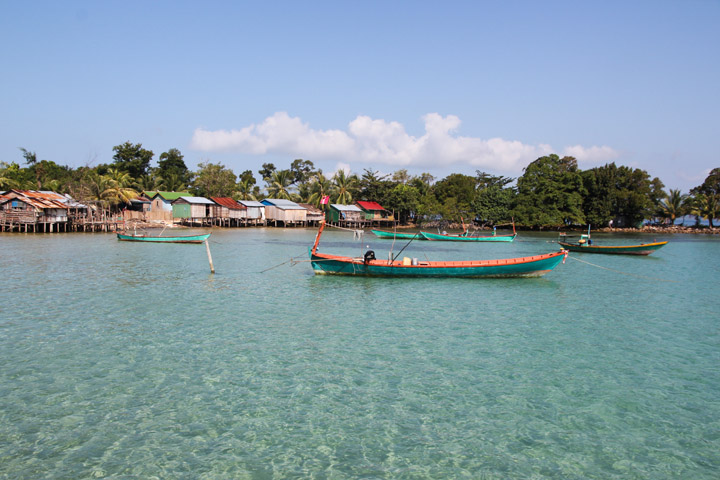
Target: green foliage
404	200
344	187
550	193
214	180
455	193
266	171
622	194
172	169
674	205
302	171
279	184
132	158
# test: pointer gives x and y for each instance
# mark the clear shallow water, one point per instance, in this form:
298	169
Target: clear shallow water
122	360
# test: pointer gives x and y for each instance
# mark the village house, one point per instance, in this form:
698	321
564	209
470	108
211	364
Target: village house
193	210
375	213
314	214
255	212
345	215
284	212
227	212
33	211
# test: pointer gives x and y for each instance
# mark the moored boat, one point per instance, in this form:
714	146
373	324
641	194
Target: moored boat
406	236
368	265
585	245
169	239
468	238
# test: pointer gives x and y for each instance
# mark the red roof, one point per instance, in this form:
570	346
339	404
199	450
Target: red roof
370	205
228	202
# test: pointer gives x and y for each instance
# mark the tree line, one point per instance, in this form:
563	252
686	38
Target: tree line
551	192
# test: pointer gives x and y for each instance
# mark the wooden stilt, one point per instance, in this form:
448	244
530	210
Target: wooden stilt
207	247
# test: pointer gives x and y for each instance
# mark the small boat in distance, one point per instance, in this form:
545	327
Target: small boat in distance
465	237
401	236
368	265
174	239
584	245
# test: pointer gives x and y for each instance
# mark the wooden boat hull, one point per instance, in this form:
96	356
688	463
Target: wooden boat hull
175	239
535	266
399	236
642	249
457	238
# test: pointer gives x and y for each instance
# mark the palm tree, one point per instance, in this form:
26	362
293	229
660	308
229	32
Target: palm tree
674	205
279	185
148	183
344	186
319	187
118	189
245	190
707	206
173	182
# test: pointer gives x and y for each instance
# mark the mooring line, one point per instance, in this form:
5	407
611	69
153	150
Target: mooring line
624	273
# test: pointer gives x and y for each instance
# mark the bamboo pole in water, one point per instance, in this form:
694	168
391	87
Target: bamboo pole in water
207	247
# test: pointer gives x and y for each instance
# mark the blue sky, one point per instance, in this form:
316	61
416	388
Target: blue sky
438	87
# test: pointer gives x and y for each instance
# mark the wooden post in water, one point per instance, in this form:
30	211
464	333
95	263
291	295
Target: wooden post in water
207	247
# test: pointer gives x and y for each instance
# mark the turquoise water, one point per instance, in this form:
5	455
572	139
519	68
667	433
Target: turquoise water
124	360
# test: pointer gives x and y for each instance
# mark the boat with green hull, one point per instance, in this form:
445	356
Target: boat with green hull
174	239
468	238
533	266
584	245
398	235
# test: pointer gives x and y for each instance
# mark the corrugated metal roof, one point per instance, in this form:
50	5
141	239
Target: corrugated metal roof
228	202
282	204
251	203
345	208
35	199
201	200
369	205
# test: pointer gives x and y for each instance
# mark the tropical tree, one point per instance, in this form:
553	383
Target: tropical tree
550	193
278	185
31	160
404	200
674	205
172	165
149	182
132	158
344	187
319	188
245	189
707	206
118	188
214	180
173	181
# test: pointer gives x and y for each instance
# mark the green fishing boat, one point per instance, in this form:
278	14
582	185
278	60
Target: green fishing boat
401	236
468	238
368	265
174	239
584	244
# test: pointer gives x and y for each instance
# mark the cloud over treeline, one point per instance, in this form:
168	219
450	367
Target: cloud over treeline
377	141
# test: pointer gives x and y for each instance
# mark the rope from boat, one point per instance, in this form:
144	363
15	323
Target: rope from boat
624	273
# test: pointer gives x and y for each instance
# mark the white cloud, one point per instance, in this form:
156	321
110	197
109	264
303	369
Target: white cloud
592	154
375	141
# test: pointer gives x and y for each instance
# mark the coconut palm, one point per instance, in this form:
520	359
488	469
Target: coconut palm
148	183
118	189
319	187
707	206
279	185
674	205
173	182
245	190
344	186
